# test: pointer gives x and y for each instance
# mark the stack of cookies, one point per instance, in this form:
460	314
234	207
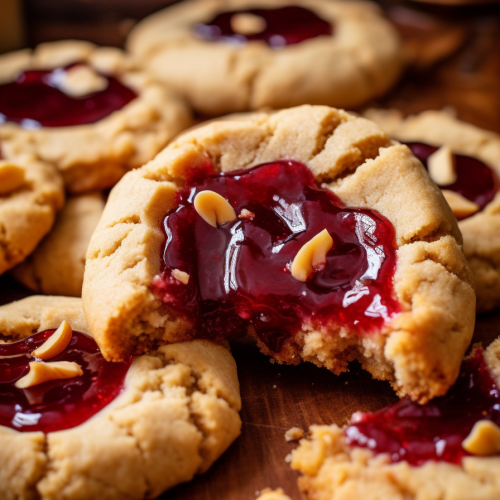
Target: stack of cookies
323	235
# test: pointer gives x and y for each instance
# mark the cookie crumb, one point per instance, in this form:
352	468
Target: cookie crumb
288	458
274	387
294	434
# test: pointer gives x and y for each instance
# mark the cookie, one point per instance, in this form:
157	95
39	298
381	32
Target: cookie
56	266
335	467
105	117
390	285
31	192
163	417
478	167
237	55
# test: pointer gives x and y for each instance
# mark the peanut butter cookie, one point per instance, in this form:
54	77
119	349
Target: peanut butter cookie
75	426
448	448
87	110
472	191
298	227
31	192
236	55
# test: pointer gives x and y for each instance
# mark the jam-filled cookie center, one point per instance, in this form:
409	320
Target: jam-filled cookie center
277	27
56	404
471	179
240	271
62	97
434	431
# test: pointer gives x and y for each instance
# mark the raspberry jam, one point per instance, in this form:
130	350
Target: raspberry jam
434	431
284	26
475	181
35	100
58	404
240	271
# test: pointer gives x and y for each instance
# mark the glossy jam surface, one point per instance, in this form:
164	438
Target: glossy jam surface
240	272
475	181
35	100
58	404
434	431
284	26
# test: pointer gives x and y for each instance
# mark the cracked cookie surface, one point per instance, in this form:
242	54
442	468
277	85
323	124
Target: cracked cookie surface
333	470
419	350
481	231
177	413
96	155
27	212
56	266
362	58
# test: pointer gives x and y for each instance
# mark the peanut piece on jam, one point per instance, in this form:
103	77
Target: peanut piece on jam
247	24
312	256
484	439
213	208
41	372
460	206
180	276
441	165
11	177
56	343
82	80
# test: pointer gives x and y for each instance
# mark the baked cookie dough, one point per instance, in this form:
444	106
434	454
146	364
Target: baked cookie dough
56	266
359	59
31	192
418	349
481	231
334	470
93	155
177	413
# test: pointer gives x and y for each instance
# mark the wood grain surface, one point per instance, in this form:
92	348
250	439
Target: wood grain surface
455	62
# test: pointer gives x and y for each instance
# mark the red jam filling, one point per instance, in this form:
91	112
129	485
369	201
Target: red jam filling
35	100
434	431
240	271
475	181
57	404
284	26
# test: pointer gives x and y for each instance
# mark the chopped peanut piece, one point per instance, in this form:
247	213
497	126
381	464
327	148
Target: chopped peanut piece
294	434
247	24
213	208
460	206
56	343
441	165
82	80
41	372
246	214
484	439
181	276
11	177
312	256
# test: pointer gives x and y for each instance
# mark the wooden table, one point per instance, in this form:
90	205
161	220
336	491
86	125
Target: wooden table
455	64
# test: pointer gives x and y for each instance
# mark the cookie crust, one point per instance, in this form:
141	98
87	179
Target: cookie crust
56	266
362	58
28	213
419	351
332	470
95	156
481	232
177	414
